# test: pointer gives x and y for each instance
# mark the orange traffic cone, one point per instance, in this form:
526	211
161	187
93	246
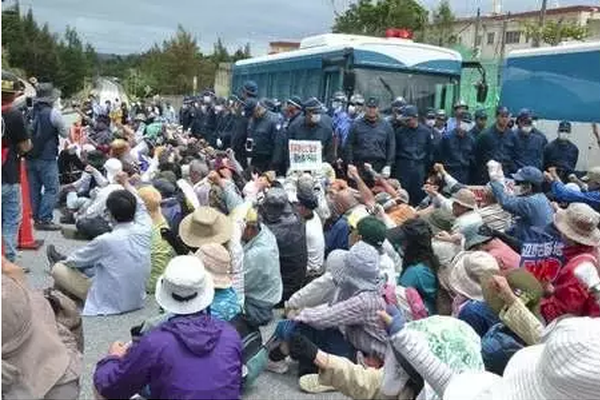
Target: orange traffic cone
26	239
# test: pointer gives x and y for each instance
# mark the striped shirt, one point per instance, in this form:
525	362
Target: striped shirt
356	317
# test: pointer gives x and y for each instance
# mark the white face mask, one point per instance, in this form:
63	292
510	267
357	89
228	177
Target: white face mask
206	99
534	124
218	109
315	118
203	108
336	105
430	122
527	129
352	110
465	126
563	135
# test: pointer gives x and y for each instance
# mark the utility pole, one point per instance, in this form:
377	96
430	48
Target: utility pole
477	27
542	21
502	47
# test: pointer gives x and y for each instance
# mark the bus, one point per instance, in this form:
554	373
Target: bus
558	83
384	68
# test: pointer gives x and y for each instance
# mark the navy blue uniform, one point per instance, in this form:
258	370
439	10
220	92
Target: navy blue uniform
529	149
414	152
496	145
323	132
225	125
371	142
264	132
457	152
563	155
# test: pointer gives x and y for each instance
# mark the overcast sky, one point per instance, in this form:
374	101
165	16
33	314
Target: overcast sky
126	26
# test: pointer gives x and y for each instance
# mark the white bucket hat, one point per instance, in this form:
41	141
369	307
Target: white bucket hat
185	287
468	271
579	222
565	366
112	166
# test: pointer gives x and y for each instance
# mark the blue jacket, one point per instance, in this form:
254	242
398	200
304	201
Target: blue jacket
341	126
562	154
301	130
336	237
529	149
531	211
496	145
371	142
414	144
565	195
456	152
45	134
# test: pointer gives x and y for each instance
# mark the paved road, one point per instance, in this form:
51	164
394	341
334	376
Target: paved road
100	332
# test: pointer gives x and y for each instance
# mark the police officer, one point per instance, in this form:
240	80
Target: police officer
414	152
224	123
356	106
456	150
241	116
496	143
371	140
262	139
459	108
529	142
481	120
249	90
340	119
561	153
185	113
293	108
314	127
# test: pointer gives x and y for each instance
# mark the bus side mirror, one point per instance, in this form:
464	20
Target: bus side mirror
482	91
349	81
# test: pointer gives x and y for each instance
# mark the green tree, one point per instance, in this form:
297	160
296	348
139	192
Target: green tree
220	53
73	65
366	17
440	32
555	32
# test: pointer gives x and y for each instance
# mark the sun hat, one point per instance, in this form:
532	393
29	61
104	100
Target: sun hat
523	283
439	220
205	225
372	231
31	346
10	83
469	270
46	93
472	235
465	198
579	222
593	175
335	263
217	261
113	167
185	287
275	204
564	366
403	195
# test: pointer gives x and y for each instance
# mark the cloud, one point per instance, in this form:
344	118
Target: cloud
127	26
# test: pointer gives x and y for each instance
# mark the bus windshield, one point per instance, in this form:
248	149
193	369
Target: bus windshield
422	90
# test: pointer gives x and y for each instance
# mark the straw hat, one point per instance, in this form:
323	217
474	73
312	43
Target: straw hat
521	281
565	366
217	262
579	222
469	271
205	225
185	287
465	198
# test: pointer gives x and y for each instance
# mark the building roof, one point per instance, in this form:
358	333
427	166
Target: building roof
529	14
284	43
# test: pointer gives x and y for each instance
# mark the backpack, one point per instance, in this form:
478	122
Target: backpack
254	353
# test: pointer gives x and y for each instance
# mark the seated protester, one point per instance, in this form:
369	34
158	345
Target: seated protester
121	150
37	363
198	173
530	205
190	356
315	239
111	271
337	230
373	232
563	194
532	373
90	218
170	205
263	287
439	182
465	281
506	257
290	232
358	297
578	225
397	208
450	340
161	251
420	264
217	262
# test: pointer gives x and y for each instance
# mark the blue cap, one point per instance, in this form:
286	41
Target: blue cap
481	114
208	92
461	103
398	103
267	103
372	102
525	114
250	104
441	114
564	126
529	174
312	104
465	116
340	96
430	113
410	112
296	101
250	88
501	110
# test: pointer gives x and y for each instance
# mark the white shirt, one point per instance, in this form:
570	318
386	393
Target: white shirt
315	243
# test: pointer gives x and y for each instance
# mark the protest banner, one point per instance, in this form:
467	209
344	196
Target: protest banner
305	155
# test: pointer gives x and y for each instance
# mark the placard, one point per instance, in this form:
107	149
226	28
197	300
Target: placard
305	155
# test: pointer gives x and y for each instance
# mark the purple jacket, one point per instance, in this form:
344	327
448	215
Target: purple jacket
188	357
